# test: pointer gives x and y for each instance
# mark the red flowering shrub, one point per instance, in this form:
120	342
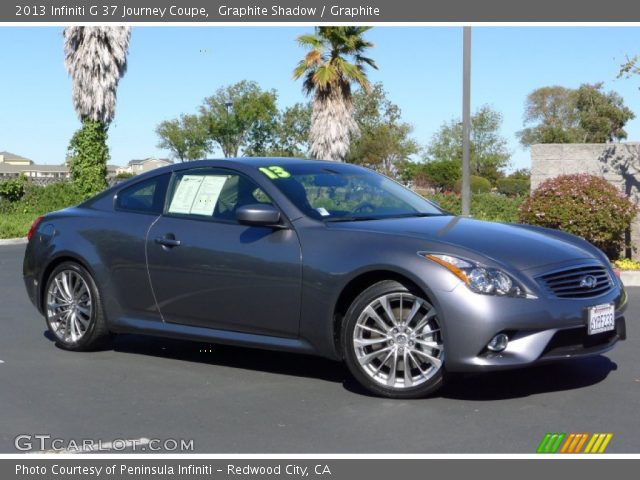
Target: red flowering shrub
584	205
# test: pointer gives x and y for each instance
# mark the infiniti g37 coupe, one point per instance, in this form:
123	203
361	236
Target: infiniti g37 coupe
321	258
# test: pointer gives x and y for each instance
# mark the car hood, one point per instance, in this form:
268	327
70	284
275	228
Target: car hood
509	244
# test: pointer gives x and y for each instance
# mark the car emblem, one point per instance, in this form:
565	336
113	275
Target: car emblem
588	281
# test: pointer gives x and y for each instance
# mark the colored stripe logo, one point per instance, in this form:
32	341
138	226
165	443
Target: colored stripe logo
574	443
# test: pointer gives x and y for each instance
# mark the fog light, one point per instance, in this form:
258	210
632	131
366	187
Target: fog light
498	343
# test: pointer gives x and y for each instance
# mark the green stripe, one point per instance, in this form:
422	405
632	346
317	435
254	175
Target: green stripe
543	443
552	439
556	446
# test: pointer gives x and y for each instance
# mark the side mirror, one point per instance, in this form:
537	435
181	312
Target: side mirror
259	214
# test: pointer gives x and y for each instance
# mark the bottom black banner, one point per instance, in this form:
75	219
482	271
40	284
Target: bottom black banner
318	468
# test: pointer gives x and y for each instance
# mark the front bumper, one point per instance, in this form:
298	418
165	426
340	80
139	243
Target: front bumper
539	330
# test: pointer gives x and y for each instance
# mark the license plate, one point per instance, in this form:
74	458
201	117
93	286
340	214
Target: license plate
601	319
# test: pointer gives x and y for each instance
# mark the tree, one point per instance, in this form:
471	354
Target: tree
584	115
186	137
96	59
489	153
521	174
240	116
335	60
630	67
551	109
292	132
440	175
384	139
602	115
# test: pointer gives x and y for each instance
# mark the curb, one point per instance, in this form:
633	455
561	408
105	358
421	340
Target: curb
13	241
630	278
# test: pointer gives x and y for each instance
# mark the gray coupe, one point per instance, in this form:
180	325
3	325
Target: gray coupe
321	258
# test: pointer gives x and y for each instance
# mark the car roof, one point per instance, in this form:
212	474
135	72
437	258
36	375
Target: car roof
257	161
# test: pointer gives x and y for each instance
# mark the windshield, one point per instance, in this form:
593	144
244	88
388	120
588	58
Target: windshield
346	193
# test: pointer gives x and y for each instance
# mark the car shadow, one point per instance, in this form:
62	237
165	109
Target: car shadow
283	363
557	376
509	384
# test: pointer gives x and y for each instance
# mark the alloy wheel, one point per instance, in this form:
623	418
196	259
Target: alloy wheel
398	342
69	306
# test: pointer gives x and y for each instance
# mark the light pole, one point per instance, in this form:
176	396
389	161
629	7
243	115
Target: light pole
228	105
466	121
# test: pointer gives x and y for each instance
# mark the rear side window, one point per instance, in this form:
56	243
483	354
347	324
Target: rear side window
144	197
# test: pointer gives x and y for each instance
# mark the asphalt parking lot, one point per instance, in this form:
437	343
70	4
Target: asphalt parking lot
235	400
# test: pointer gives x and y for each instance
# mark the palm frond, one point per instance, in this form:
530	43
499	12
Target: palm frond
369	61
96	59
310	40
325	75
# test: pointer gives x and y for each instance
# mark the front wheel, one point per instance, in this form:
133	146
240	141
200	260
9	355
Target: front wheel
73	308
392	342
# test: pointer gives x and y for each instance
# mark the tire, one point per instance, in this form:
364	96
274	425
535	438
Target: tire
388	327
73	309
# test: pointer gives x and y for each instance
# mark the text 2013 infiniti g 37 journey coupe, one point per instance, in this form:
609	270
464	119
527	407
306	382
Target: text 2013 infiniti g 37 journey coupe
321	258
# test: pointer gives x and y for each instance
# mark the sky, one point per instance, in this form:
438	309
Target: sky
172	69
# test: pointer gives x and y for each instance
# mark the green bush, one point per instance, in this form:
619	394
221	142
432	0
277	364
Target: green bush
495	208
484	206
439	174
585	205
513	186
12	190
478	185
56	196
42	199
16	225
16	216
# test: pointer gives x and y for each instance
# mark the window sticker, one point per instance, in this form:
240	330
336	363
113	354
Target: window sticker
208	195
323	211
197	194
274	172
185	194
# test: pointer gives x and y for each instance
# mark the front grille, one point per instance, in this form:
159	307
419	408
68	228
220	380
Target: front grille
578	282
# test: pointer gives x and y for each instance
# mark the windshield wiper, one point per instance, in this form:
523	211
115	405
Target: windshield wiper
384	217
350	219
418	214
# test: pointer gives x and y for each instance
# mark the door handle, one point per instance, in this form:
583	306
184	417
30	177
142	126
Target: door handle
167	242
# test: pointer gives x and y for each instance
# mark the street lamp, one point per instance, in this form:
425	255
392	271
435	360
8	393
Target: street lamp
466	121
228	105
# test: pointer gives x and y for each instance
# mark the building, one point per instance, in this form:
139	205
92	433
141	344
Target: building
144	165
9	158
12	165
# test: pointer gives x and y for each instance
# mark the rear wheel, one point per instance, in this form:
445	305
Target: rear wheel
73	308
393	342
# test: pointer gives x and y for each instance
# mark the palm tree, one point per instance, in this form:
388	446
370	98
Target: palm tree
96	59
328	74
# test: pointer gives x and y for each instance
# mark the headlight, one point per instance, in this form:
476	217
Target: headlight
480	279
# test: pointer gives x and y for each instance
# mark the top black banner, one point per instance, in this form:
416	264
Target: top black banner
319	11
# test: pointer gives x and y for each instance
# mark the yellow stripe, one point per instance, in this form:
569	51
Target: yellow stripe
598	442
567	442
607	439
590	444
583	439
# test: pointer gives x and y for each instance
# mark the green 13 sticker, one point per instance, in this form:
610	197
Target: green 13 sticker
275	172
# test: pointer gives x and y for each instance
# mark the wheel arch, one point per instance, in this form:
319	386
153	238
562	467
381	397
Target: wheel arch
356	286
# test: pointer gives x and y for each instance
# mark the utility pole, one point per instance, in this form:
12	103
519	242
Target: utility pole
466	121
